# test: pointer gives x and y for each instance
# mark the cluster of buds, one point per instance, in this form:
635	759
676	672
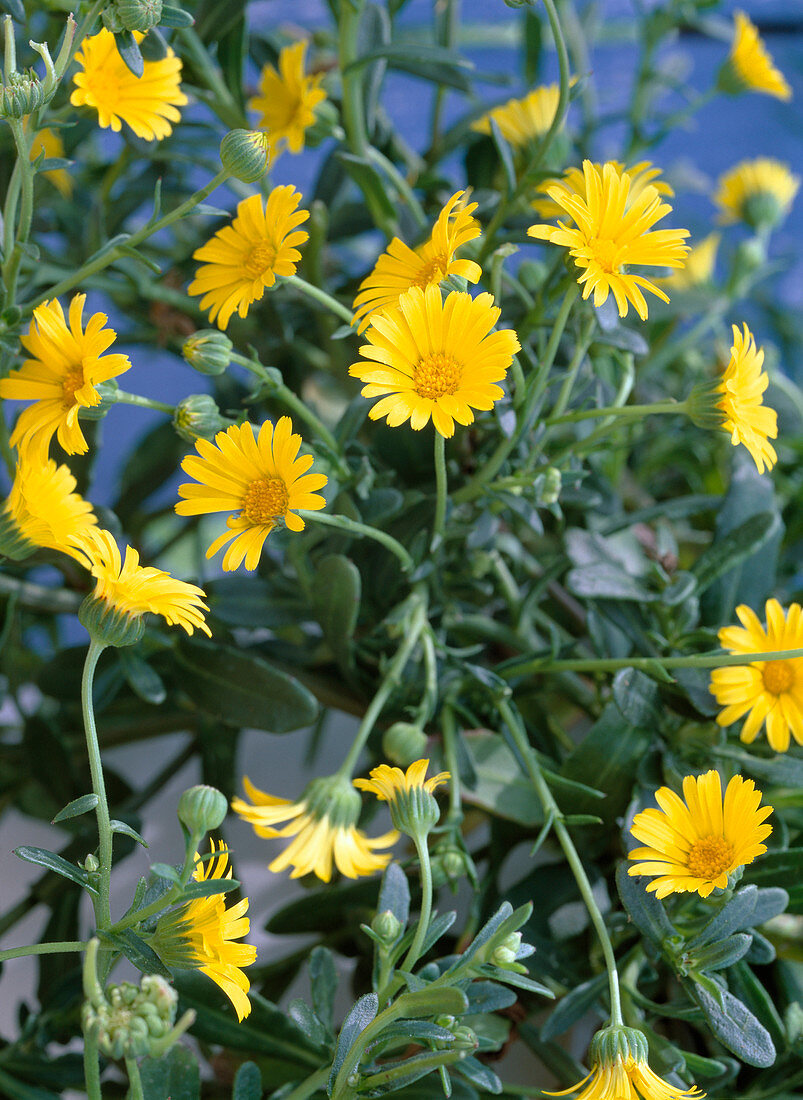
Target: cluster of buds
463	1038
22	93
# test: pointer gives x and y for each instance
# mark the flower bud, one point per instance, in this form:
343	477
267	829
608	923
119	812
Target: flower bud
548	486
138	15
464	1038
197	415
202	809
108	625
505	953
245	153
208	351
404	742
130	1019
22	94
387	927
91	864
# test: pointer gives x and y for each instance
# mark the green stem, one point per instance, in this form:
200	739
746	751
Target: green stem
11	263
626	411
550	808
449	731
449	12
63	947
102	905
425	914
646	664
401	185
353	527
341	311
401	1070
91	1067
429	698
123	398
223	103
139	915
439	524
349	14
135	1081
315	1082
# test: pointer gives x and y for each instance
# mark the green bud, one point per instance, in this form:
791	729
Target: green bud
548	486
763	211
464	1038
448	865
505	953
387	926
246	154
22	94
202	809
197	415
109	626
208	351
91	864
403	743
138	15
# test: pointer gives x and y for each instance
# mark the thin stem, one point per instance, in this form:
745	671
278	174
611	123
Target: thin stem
341	311
422	928
352	527
439	524
102	905
164	901
134	1079
62	947
449	730
223	104
353	114
627	411
123	398
448	37
91	1067
313	1083
401	185
646	664
550	808
11	264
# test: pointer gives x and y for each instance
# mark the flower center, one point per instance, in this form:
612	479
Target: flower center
437	374
261	257
434	271
73	380
778	676
710	856
265	499
605	252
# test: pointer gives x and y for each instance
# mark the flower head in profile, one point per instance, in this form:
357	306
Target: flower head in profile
620	1071
47	141
125	591
524	120
67	362
749	67
148	103
741	400
770	693
694	845
287	99
613	231
202	934
244	258
43	509
400	267
642	174
758	192
409	795
259	479
433	359
322	824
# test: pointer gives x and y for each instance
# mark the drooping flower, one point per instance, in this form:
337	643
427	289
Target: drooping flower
758	192
694	845
746	417
287	99
66	364
260	480
620	1071
700	264
769	692
749	66
400	267
202	934
642	174
409	795
47	141
323	826
613	231
125	591
524	120
148	103
244	258
433	359
43	509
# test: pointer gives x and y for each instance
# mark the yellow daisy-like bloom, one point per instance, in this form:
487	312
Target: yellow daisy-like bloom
749	66
43	509
521	121
699	268
768	692
260	479
201	935
147	103
287	99
693	846
244	258
400	267
322	824
742	387
409	795
430	358
756	192
47	141
614	231
66	364
128	590
642	174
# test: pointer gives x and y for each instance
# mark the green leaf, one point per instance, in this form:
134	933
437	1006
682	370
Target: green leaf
636	696
77	807
250	601
394	894
247	1083
608	757
745	985
138	952
17	1090
174	1076
736	1027
501	788
175	17
732	549
125	830
722	954
165	870
575	1004
209	887
782	870
643	908
326	910
433	63
323	984
505	155
533	43
370	183
433	1001
488	997
242	689
302	1015
335	596
736	914
603	580
478	1074
14	9
141	678
52	862
129	51
361	1015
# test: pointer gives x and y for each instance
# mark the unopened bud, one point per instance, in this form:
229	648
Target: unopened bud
403	743
245	153
202	809
505	953
138	15
130	1019
464	1038
208	351
387	927
197	415
549	485
91	864
22	94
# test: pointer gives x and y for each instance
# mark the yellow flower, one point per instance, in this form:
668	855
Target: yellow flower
749	66
742	387
757	192
60	377
400	267
126	590
409	795
642	175
245	257
523	120
287	99
621	1071
694	845
768	692
43	509
260	479
699	268
147	103
430	358
201	934
612	233
47	141
322	824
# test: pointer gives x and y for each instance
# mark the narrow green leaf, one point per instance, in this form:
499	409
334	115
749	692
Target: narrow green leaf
125	830
335	594
575	1004
727	552
129	51
77	807
175	17
323	984
736	1027
53	862
356	1022
138	952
